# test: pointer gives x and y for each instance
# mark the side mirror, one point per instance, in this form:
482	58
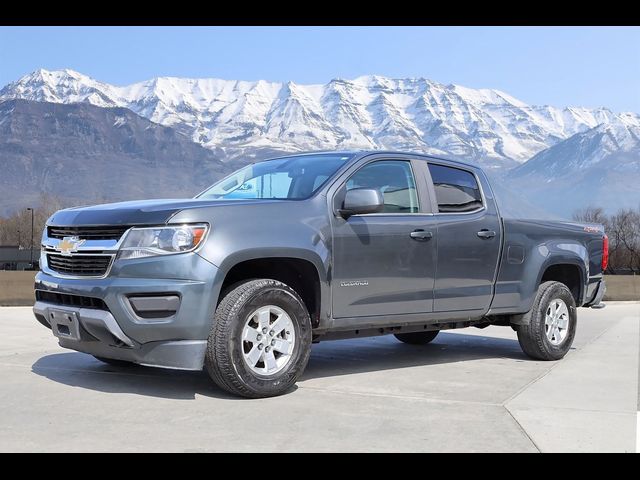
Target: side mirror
362	200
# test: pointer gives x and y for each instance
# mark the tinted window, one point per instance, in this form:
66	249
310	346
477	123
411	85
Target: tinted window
394	179
283	178
456	190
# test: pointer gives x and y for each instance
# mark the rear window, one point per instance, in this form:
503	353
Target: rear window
457	190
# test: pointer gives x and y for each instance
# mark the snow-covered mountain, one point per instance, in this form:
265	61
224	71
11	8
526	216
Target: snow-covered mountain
599	167
560	159
484	126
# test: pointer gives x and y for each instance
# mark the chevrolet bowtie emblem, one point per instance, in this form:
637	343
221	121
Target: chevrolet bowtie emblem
68	245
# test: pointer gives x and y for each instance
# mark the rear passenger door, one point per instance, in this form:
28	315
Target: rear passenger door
469	239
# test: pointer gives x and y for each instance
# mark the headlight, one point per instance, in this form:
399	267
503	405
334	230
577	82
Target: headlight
147	242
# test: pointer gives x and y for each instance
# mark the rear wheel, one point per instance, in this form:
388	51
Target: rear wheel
552	323
417	338
260	340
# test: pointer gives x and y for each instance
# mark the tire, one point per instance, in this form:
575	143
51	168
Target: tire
534	338
114	362
230	355
417	338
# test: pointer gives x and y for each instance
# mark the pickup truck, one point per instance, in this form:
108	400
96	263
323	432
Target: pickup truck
243	278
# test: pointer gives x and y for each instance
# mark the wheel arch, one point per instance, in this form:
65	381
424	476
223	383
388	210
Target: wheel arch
570	272
301	270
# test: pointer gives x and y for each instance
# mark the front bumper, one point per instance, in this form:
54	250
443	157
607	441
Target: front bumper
116	331
98	333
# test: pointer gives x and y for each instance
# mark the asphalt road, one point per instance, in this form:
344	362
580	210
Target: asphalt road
470	390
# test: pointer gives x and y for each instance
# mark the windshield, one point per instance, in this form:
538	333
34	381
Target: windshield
288	178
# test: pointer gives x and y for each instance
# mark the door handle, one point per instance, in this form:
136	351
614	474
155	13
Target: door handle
484	233
421	235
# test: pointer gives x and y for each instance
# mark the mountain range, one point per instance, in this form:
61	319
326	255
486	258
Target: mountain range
599	167
85	154
533	149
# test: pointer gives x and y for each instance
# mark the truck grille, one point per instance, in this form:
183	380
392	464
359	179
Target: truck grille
88	233
80	265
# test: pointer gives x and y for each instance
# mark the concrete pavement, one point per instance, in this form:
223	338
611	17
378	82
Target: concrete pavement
470	390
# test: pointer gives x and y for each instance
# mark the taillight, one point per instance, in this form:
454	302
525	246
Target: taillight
605	252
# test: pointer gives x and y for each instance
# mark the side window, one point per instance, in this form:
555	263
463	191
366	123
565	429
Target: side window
394	179
456	190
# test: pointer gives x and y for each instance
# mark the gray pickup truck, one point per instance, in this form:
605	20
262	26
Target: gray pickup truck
242	279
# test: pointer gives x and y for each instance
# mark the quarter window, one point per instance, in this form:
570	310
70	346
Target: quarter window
457	190
395	181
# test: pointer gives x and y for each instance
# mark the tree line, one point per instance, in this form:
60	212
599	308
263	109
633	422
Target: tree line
15	230
623	230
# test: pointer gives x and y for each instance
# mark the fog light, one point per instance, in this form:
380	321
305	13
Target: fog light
154	306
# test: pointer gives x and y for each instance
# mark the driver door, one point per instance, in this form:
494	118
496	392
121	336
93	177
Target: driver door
379	267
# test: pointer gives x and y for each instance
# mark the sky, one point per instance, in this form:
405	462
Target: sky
560	66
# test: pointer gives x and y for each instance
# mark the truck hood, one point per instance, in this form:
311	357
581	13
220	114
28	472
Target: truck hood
145	212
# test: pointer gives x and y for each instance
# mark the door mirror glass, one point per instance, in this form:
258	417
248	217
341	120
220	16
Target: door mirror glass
361	201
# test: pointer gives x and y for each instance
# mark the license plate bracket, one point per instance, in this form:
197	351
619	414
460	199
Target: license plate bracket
64	324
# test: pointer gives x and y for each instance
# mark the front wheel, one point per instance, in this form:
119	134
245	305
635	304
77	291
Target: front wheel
552	323
260	340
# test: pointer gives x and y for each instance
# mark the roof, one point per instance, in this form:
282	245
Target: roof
363	153
418	154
